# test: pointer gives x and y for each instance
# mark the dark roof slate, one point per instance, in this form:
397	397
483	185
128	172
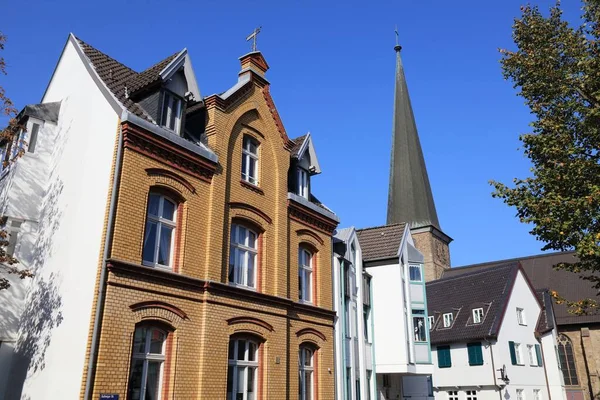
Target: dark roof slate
489	289
539	269
116	76
43	111
381	242
297	143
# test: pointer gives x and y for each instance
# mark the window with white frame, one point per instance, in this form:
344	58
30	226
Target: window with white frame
431	321
537	394
250	160
415	273
160	227
305	274
520	394
452	394
303	179
477	315
448	318
12	228
243	256
521	316
518	354
171	111
471	394
32	142
147	363
420	330
242	371
532	355
306	383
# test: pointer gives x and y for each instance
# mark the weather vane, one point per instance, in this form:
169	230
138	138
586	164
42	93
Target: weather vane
252	37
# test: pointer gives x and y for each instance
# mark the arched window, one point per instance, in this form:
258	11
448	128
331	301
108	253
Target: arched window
250	160
305	272
243	254
160	231
567	360
306	383
242	371
147	363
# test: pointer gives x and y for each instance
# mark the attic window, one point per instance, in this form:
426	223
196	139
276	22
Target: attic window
302	189
171	112
477	315
448	318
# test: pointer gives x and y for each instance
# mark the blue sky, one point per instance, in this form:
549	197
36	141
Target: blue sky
332	73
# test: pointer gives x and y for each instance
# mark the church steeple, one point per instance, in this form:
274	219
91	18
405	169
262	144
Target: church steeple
409	198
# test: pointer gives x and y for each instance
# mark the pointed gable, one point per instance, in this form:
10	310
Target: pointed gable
381	242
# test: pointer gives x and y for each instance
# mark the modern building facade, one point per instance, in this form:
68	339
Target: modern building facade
399	311
578	336
181	251
493	337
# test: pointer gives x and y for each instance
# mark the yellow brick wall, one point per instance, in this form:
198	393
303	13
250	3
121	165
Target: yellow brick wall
199	357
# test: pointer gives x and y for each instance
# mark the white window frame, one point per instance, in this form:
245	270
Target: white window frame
448	320
452	394
477	315
431	321
532	355
520	394
471	394
148	357
245	365
417	267
250	159
518	354
305	275
240	252
160	222
302	178
306	370
537	394
521	316
173	104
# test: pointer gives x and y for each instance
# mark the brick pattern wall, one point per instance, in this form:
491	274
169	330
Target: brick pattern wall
586	349
197	365
435	252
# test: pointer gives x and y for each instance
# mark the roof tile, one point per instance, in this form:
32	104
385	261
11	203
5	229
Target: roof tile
381	241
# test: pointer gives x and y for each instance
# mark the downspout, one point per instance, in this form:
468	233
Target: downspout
102	284
493	367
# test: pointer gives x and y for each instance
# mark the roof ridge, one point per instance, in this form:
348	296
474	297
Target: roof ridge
515	259
381	226
170	58
81	42
473	273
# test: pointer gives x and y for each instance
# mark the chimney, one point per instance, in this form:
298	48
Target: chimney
255	62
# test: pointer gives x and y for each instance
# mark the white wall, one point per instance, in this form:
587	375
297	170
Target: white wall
555	376
51	350
461	373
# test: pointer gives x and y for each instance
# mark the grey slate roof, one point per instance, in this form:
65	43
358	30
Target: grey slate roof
43	111
545	322
409	193
297	144
539	269
117	76
380	242
488	289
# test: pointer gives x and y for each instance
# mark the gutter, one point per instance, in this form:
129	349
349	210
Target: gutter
102	284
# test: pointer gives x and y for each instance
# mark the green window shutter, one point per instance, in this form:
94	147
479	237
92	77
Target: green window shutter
538	353
444	359
513	354
475	353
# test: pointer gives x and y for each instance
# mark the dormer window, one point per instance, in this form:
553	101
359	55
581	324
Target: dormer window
302	189
448	318
171	112
477	315
250	160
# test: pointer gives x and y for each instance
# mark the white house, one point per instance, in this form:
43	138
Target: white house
492	336
355	370
403	360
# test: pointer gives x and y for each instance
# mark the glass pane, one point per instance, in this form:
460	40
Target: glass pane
168	211
241	355
252	146
246	143
241	371
156	341
251	261
251	239
135	379
308	385
244	166
232	254
153	202
251	373
252	171
307	285
252	351
149	242
419	327
153	382
229	381
231	349
139	340
300	283
164	250
241	236
307	357
165	109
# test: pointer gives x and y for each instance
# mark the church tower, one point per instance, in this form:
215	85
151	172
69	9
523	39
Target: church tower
409	198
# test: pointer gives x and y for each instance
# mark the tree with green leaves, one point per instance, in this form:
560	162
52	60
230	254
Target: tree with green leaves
556	67
8	263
